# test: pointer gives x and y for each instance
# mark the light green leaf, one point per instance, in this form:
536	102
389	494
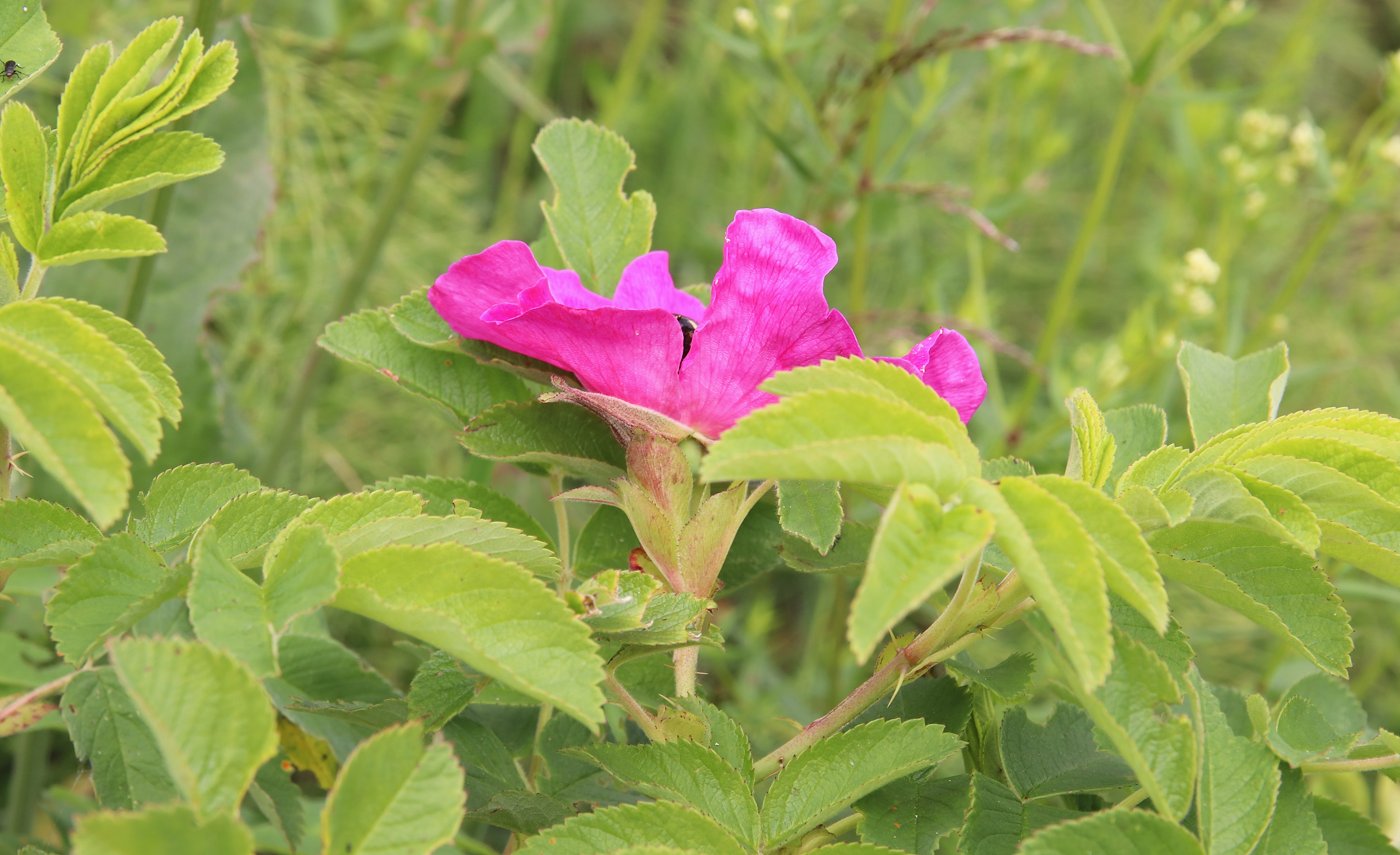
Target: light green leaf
140	166
1317	717
1153	469
918	549
481	535
557	435
181	499
226	607
441	689
441	494
1348	832
1114	831
722	734
279	801
35	533
395	796
109	735
106	593
1268	580
96	235
597	228
9	271
1293	830
1230	818
1058	757
684	772
77	95
642	828
490	613
1222	392
614	600
349	511
1009	679
1286	509
1221	494
459	383
64	432
1091	446
210	717
1058	561
247	524
24	166
1137	431
165	830
138	349
26	40
92	363
300	575
811	510
913	813
997	821
842	768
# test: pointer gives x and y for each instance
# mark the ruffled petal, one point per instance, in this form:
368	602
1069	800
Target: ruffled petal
646	284
767	314
479	283
565	287
948	364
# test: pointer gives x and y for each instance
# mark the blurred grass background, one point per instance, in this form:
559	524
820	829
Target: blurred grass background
953	149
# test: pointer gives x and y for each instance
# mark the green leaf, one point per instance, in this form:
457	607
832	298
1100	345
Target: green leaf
684	772
1269	581
9	271
106	593
597	228
842	768
850	553
247	524
997	821
918	549
97	235
1115	831
226	607
481	535
341	514
181	499
463	385
395	796
1153	469
1137	431
441	493
64	432
1009	679
109	735
522	811
416	320
1348	832
35	533
604	542
300	575
640	828
1230	818
1222	392
1058	757
564	436
914	813
165	830
723	734
614	600
27	40
1091	446
490	613
138	349
279	801
1221	494
92	363
1317	717
24	166
812	511
322	669
140	166
1293	829
210	717
77	95
1057	559
441	689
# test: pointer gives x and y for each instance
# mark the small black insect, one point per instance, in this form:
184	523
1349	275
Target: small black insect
11	70
688	328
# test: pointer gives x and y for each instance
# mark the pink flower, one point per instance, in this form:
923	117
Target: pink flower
766	314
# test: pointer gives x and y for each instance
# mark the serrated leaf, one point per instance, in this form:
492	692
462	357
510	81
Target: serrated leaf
1137	431
342	514
1230	818
914	813
181	499
394	795
723	734
441	493
138	349
165	830
98	235
1008	679
614	600
106	592
1269	581
997	821
597	228
1091	446
300	574
1317	717
1114	831
1293	829
490	613
279	801
812	511
1221	494
247	524
140	166
35	533
876	377
558	435
416	320
918	549
110	736
27	40
463	385
849	554
842	768
24	167
321	669
1348	832
226	607
1222	392
522	811
641	827
214	747
77	95
1058	757
684	772
480	535
441	689
65	433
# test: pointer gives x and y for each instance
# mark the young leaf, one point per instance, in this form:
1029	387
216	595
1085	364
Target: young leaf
394	795
1058	757
35	533
140	166
97	235
164	830
918	549
9	271
684	772
109	735
1091	446
1222	392
181	499
24	166
26	40
1114	831
597	228
648	827
842	768
137	348
1137	431
811	510
1230	818
226	607
558	435
77	95
488	612
1221	494
914	813
210	717
106	592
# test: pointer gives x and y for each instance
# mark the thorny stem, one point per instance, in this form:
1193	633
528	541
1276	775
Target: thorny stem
34	694
31	755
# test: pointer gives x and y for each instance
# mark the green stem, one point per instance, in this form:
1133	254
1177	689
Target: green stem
561	534
32	280
393	192
536	756
1136	797
645	720
5	465
687	662
822	834
31	752
1360	764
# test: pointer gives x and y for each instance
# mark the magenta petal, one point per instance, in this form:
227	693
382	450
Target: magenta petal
565	287
767	315
949	365
646	284
479	283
